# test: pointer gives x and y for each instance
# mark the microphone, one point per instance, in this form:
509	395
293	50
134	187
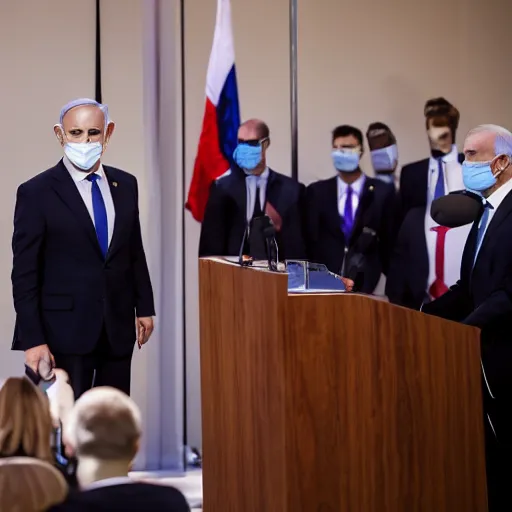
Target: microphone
456	209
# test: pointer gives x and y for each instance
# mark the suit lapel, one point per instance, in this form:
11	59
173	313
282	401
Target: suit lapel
67	190
365	202
503	211
273	192
238	191
116	190
331	205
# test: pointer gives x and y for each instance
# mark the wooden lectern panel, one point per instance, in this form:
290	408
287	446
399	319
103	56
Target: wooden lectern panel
384	409
334	402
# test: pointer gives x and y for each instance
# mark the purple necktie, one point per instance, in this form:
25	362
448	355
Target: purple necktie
347	223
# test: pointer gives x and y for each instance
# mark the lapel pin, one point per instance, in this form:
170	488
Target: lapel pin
371	188
114	183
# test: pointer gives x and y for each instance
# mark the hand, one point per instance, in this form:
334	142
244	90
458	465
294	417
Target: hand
144	329
349	284
34	355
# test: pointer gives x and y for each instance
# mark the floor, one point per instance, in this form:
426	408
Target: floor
191	484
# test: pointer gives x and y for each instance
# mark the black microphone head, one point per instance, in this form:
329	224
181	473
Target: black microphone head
456	209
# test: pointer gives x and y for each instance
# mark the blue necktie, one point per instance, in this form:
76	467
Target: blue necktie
439	190
100	213
348	215
481	229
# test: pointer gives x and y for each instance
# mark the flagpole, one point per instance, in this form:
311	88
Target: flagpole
293	87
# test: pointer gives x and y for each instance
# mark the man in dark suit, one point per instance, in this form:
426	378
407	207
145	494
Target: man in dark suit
483	295
249	192
441	121
426	257
80	280
350	217
103	432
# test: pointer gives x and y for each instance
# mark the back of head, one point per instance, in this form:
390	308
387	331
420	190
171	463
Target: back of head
104	425
29	485
379	136
25	420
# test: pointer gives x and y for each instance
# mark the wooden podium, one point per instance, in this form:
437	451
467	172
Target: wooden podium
334	402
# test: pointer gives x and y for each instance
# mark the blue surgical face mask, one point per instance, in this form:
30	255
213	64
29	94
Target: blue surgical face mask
247	157
83	154
385	159
345	161
478	176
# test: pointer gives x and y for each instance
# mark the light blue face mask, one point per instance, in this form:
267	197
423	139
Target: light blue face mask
345	161
247	157
478	176
83	154
385	159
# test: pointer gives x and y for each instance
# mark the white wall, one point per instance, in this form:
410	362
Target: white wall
358	63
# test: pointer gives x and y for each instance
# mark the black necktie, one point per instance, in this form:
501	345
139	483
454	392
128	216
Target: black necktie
257	212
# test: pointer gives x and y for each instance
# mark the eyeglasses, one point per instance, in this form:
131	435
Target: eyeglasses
252	142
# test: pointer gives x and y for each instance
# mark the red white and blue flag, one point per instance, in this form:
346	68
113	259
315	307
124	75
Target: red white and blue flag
221	115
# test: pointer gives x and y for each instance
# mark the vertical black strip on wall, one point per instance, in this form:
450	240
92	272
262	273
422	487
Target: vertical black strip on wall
98	93
183	246
294	123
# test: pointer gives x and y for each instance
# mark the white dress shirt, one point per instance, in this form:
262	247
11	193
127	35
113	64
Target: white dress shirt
357	189
495	200
253	184
456	237
452	156
84	186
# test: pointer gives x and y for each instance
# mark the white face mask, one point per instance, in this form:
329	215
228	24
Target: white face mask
83	154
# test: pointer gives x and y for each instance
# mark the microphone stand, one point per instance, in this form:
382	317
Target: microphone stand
241	261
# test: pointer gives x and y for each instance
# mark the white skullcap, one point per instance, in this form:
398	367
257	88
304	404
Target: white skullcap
81	102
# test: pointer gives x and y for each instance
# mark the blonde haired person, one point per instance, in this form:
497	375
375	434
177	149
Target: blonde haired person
26	425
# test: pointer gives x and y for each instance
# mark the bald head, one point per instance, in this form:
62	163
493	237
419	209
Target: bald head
253	129
84	120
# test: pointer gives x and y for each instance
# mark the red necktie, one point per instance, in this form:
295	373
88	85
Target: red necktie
439	287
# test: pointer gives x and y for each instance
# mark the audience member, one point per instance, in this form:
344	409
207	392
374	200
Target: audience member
238	197
383	152
103	431
26	425
350	217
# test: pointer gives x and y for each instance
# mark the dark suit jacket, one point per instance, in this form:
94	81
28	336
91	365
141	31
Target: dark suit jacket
224	220
414	185
130	497
326	242
64	291
408	270
483	297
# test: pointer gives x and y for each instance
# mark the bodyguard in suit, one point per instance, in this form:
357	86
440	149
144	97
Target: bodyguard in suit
483	295
350	217
81	286
441	121
248	192
383	152
426	257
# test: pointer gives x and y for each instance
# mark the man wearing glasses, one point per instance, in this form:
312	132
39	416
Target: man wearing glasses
252	190
350	217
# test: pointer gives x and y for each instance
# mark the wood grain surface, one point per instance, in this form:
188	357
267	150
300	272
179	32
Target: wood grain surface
334	403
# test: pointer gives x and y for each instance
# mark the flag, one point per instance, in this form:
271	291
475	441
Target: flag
221	120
